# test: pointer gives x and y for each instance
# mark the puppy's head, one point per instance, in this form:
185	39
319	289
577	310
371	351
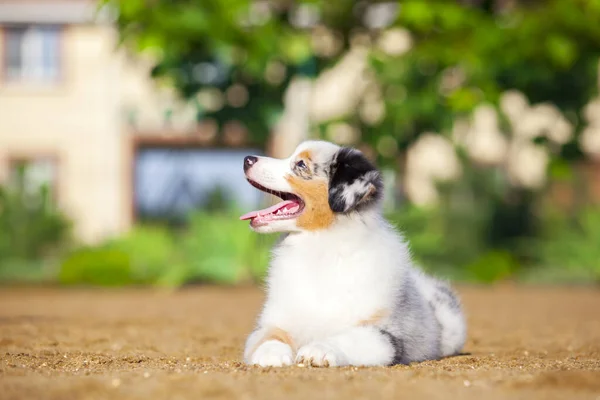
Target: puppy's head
317	183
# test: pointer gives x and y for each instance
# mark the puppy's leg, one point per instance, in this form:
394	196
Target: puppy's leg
359	346
269	347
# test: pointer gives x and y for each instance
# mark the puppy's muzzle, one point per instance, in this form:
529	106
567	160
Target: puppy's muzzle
249	161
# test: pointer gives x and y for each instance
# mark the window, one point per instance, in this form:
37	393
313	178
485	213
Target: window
171	182
32	53
34	174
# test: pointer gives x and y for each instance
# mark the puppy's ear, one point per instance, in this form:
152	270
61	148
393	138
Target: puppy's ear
354	182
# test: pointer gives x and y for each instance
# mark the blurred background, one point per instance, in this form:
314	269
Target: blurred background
123	126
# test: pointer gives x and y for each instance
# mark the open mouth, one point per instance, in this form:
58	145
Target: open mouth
290	208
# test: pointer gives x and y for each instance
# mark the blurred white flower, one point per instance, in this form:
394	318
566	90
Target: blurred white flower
338	90
513	104
420	189
487	146
372	107
380	15
294	125
527	164
395	41
544	119
372	112
434	156
343	133
460	131
590	141
561	131
430	159
325	42
211	99
305	15
591	112
483	140
536	121
485	117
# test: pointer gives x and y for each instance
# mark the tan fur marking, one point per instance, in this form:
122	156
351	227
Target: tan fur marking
276	334
375	318
305	155
317	214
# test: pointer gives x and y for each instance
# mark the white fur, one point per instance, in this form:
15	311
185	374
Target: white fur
322	284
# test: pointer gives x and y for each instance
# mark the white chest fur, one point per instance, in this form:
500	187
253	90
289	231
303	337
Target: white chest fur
321	283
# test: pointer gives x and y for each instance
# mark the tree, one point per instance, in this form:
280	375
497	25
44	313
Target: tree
462	53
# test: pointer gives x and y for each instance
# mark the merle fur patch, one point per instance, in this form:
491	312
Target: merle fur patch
398	345
354	182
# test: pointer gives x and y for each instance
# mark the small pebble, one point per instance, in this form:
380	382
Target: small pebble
188	359
467	383
146	374
115	382
301	365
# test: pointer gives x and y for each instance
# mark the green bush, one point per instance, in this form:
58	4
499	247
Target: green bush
98	267
215	247
31	226
151	251
220	248
33	232
569	248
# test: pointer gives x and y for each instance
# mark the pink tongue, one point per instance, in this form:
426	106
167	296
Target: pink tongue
272	209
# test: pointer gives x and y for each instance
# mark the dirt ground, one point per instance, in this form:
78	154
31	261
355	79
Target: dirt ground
534	343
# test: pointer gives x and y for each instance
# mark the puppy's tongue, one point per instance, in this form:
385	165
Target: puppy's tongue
267	211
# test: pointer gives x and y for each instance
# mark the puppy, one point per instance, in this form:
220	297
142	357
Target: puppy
341	287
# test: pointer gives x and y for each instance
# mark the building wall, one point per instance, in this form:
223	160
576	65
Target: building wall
78	121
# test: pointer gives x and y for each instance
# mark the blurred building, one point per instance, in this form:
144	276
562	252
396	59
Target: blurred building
87	120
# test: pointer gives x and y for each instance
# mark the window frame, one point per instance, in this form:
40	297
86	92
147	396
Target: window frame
149	140
12	160
7	81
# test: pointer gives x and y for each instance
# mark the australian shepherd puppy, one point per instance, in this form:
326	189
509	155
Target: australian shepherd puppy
341	287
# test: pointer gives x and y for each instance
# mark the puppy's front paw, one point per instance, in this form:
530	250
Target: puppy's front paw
272	353
320	354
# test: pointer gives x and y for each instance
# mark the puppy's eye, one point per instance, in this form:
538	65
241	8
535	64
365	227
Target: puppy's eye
300	164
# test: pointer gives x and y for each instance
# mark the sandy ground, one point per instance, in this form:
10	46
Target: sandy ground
533	343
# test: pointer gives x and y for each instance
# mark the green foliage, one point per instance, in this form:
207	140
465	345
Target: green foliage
30	224
215	247
99	267
463	54
33	232
219	248
149	250
493	266
569	248
15	270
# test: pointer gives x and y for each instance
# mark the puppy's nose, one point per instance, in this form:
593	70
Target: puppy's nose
249	161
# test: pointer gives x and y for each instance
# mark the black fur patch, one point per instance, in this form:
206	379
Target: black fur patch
398	345
445	295
354	182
